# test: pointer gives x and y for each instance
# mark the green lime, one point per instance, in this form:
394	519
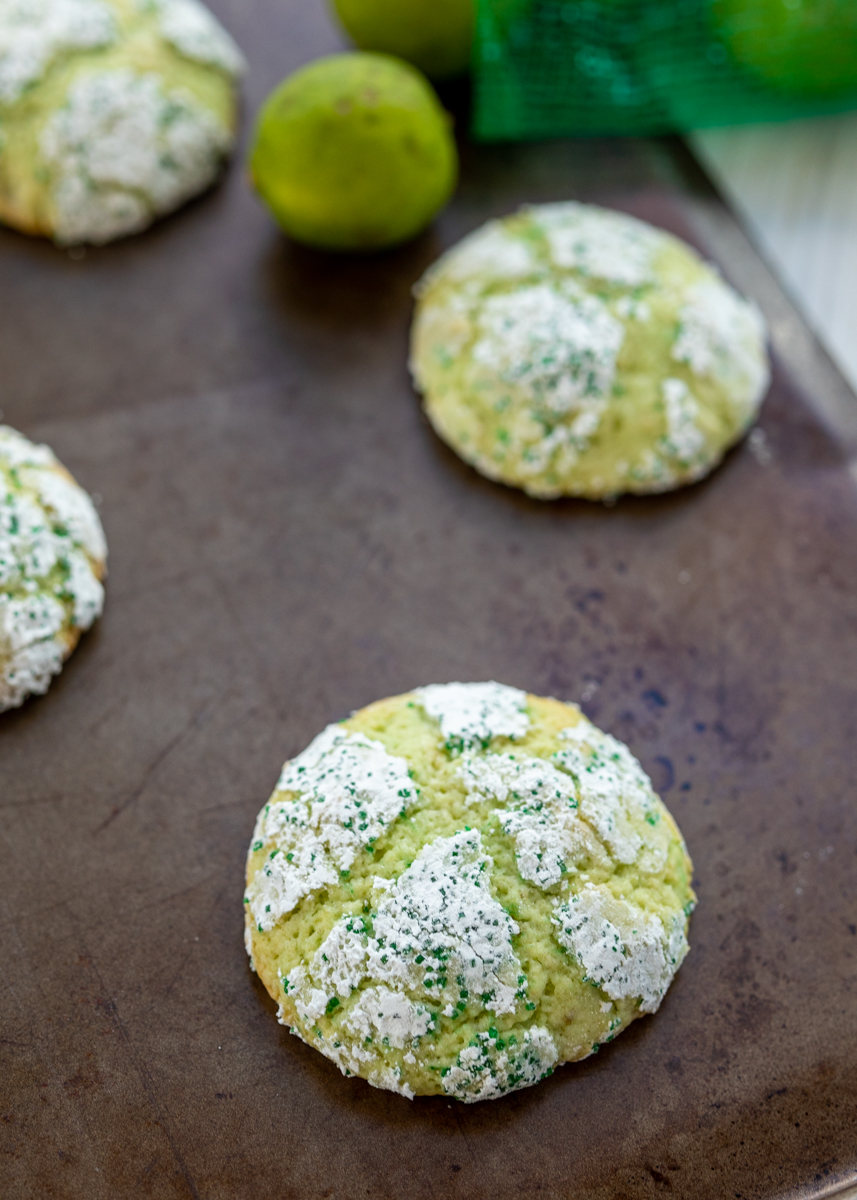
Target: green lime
354	152
434	35
808	47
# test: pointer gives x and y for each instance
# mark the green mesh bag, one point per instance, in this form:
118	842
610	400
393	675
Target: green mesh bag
548	68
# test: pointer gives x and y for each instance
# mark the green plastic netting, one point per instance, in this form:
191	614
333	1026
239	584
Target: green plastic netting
548	68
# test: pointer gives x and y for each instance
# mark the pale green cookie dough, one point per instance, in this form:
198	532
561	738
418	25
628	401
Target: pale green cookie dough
52	563
112	112
574	351
458	889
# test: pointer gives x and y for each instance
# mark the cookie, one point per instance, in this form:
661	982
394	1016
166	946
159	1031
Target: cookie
52	563
112	112
456	890
573	351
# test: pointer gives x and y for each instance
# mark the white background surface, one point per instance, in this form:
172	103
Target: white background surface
794	186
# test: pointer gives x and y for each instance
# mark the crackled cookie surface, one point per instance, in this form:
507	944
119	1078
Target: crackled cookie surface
458	889
572	350
112	112
52	562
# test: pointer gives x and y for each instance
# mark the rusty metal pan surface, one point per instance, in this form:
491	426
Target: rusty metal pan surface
289	541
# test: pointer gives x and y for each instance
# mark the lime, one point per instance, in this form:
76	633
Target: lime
808	47
434	35
354	152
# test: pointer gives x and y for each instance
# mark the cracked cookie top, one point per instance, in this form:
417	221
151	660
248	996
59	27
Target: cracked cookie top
455	890
52	563
112	112
572	350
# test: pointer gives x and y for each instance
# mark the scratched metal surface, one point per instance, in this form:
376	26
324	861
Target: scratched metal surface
288	542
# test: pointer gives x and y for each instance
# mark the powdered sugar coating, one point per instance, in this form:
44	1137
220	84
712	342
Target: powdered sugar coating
443	960
192	29
606	245
557	344
615	794
718	337
115	112
475	713
123	150
437	935
18	451
491	1066
488	252
627	952
539	810
348	790
52	553
31	648
569	366
389	1015
551	808
85	590
684	439
557	348
437	922
34	33
68	503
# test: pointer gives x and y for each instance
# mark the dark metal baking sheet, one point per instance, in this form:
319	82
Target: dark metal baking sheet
290	541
